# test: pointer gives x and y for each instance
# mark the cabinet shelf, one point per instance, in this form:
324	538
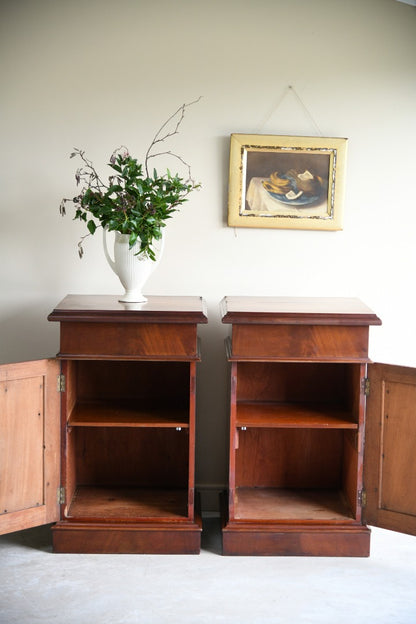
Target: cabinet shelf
293	415
128	414
128	503
291	505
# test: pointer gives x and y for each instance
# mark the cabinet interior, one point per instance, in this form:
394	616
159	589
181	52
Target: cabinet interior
296	446
127	439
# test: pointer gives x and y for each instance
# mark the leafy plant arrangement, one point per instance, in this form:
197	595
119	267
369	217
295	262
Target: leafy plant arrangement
133	202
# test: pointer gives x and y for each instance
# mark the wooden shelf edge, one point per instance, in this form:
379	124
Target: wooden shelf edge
274	415
232	357
137	357
119	415
131	425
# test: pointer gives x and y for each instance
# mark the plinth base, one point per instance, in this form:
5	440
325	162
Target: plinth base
144	538
293	538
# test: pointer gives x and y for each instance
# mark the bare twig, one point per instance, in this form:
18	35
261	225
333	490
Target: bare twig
88	174
80	247
169	153
159	139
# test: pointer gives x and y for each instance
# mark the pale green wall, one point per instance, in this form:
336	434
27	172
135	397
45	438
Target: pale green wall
97	74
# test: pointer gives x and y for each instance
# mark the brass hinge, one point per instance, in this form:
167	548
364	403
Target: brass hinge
365	386
362	498
61	383
61	495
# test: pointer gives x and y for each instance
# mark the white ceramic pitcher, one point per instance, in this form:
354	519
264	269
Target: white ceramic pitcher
132	270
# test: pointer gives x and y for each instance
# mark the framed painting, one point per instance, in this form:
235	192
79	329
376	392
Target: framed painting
286	182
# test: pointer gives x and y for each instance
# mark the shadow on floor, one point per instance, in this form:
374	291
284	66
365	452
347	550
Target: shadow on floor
39	538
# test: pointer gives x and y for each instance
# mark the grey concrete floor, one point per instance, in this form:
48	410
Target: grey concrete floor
37	586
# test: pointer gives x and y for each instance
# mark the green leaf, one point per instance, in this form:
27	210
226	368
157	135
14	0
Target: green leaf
115	167
132	239
91	227
115	188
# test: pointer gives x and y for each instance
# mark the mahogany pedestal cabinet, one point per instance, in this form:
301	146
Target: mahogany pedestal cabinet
322	442
101	440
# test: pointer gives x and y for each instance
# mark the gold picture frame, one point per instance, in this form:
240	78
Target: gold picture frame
287	182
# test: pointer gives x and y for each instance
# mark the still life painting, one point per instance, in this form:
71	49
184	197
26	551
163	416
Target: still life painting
286	182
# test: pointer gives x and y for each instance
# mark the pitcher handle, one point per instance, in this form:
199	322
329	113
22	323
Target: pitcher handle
107	255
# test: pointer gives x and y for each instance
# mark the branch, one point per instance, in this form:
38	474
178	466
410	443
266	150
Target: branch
88	171
158	139
169	153
81	242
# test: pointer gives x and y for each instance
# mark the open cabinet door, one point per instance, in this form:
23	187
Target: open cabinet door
390	448
29	444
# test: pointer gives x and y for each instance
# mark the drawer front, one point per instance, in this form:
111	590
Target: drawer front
129	341
300	342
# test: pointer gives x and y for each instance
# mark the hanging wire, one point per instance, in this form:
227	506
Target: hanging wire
290	89
306	110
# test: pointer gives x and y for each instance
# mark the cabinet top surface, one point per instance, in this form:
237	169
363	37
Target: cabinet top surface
181	309
287	310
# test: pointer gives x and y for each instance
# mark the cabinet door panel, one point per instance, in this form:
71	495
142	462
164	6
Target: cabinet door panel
29	444
390	459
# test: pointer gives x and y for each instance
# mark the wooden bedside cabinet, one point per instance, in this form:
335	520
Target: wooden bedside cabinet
116	469
321	440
